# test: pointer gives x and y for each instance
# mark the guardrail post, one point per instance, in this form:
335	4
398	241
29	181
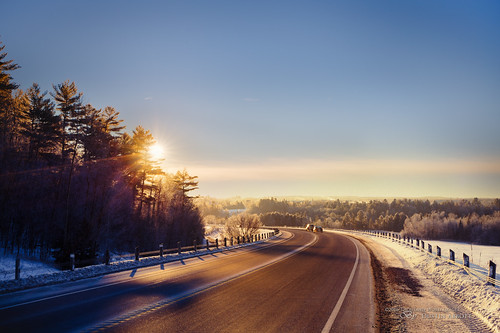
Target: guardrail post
208	244
418	242
217	243
423	244
466	260
194	245
136	253
72	261
107	257
232	241
438	249
238	239
179	248
429	247
492	272
452	255
161	250
18	267
225	242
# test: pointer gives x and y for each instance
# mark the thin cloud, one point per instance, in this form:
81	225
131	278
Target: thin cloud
306	169
149	98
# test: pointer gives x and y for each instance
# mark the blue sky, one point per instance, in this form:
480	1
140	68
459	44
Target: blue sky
261	98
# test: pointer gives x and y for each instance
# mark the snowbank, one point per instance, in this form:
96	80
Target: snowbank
473	293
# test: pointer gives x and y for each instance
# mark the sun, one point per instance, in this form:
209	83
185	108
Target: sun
156	152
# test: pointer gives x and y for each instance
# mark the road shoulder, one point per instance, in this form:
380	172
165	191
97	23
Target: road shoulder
358	311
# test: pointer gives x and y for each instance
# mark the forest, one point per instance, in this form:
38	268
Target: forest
73	181
476	221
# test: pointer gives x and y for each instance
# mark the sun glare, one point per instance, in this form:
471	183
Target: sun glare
157	152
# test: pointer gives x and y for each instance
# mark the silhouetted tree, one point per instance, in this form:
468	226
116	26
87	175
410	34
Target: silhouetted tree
42	127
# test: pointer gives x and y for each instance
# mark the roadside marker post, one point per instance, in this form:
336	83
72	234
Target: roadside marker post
466	260
492	273
18	267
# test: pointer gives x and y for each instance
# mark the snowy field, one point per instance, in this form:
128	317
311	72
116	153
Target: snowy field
479	255
28	267
468	290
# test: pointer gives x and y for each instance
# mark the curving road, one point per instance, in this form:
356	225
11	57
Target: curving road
299	282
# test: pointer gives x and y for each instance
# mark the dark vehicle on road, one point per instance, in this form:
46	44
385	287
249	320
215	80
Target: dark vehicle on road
310	227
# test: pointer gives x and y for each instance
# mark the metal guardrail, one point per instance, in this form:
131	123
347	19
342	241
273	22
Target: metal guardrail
227	243
489	278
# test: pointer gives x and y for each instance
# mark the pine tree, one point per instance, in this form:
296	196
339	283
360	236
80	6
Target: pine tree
141	167
101	133
185	182
42	127
7	87
68	101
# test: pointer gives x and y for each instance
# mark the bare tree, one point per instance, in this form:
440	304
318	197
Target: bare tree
242	225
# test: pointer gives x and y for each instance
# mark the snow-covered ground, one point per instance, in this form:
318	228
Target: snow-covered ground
466	289
28	267
214	231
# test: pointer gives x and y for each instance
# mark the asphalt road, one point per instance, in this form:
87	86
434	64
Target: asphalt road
301	282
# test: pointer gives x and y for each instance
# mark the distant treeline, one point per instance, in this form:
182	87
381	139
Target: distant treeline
71	180
466	220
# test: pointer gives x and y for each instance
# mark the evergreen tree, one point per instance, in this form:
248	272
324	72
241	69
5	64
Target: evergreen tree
185	182
68	101
7	87
42	127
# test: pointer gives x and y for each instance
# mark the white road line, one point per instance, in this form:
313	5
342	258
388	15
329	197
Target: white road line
336	309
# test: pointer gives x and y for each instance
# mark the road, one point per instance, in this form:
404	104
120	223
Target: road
299	282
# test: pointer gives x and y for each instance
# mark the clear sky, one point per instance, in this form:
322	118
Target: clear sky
268	98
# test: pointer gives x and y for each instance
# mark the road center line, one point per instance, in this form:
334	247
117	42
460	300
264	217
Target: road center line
336	309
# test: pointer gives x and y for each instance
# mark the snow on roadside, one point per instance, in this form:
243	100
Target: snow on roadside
481	299
46	276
